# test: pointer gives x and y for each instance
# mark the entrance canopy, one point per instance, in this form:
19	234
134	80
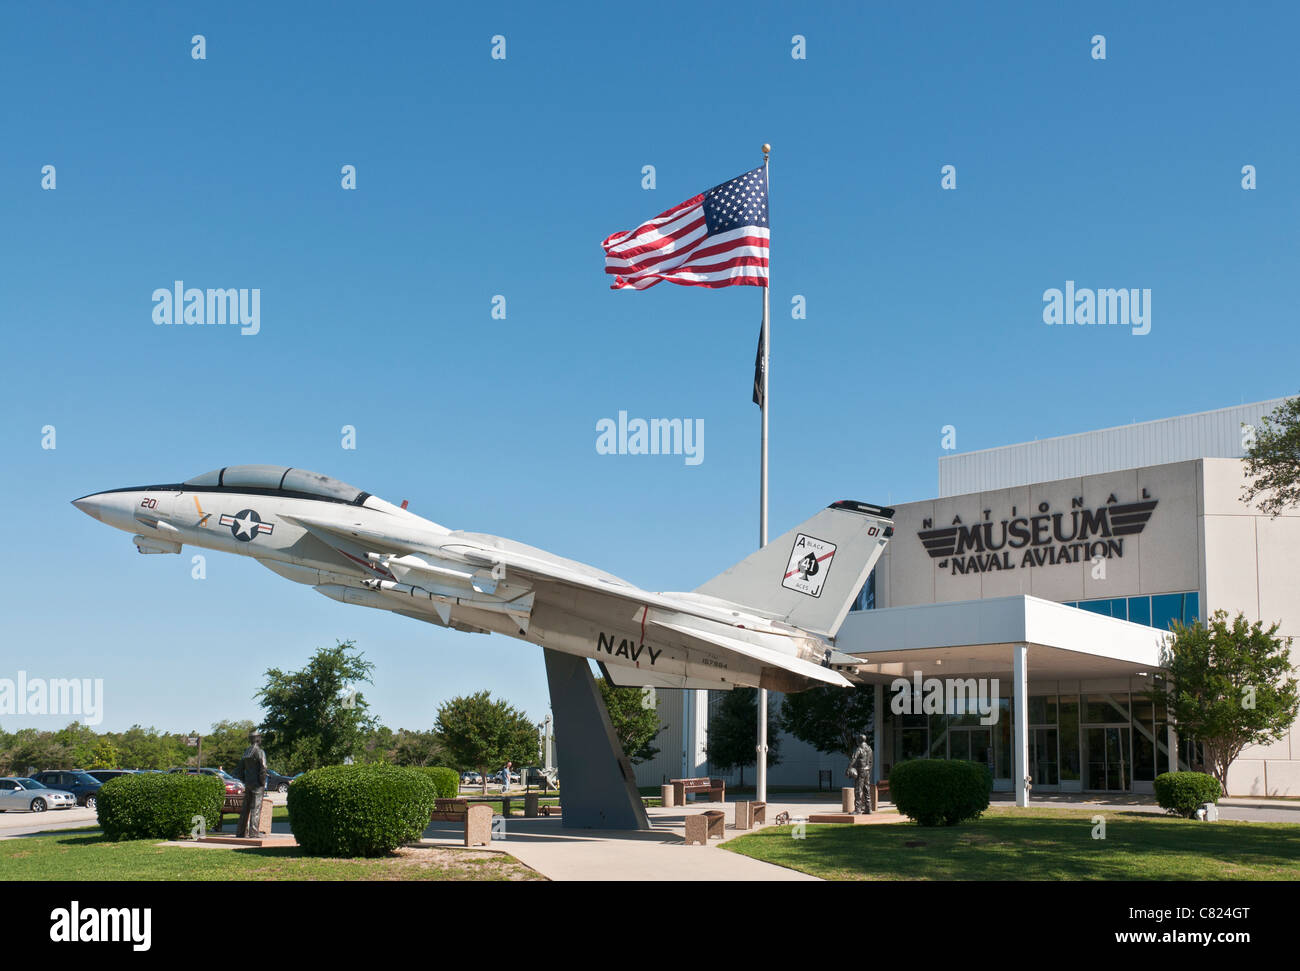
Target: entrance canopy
977	637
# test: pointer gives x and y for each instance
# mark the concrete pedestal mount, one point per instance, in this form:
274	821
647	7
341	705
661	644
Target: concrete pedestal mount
597	786
478	825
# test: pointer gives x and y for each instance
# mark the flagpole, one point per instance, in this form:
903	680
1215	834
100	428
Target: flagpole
761	784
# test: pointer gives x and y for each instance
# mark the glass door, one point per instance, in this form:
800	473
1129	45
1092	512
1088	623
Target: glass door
1109	765
1042	756
973	744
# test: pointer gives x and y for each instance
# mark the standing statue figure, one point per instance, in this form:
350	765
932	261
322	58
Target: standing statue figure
252	772
860	772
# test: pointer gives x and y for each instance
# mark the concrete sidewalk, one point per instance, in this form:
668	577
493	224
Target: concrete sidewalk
660	854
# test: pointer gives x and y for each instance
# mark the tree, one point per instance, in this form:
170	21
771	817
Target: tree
418	748
35	750
104	755
314	717
380	746
224	745
830	719
635	723
145	748
1232	685
483	734
1273	460
78	741
733	732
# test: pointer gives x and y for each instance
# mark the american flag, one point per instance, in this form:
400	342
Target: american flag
718	238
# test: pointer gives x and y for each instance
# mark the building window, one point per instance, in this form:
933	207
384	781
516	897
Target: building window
866	598
1139	610
1157	611
1069	738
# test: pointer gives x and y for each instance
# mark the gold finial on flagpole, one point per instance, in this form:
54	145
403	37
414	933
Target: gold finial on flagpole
767	150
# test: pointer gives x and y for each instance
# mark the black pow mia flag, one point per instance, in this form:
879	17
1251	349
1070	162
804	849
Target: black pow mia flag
758	370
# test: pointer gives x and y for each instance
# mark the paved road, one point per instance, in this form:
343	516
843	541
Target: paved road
25	824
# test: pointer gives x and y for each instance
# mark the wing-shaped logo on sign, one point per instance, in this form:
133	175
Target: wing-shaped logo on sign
939	542
1128	519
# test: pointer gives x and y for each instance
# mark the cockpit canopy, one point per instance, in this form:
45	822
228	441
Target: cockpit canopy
279	479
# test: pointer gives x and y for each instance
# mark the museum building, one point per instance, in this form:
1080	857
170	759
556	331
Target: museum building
1047	574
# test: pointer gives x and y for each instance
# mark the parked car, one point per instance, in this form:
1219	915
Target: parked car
17	793
80	783
275	782
471	779
103	775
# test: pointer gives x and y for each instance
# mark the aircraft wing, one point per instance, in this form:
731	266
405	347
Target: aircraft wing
519	564
765	655
534	567
355	535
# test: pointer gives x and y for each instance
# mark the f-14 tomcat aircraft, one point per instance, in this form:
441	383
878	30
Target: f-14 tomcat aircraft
769	621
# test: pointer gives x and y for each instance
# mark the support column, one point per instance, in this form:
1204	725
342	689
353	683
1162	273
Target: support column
877	729
597	785
1020	720
697	735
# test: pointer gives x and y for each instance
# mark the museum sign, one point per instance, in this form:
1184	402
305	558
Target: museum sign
1041	538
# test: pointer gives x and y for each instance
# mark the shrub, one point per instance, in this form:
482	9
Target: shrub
447	781
155	806
360	810
938	792
1182	793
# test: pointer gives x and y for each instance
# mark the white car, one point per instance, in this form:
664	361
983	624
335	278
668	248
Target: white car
29	795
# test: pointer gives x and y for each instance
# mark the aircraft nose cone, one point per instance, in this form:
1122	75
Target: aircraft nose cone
91	506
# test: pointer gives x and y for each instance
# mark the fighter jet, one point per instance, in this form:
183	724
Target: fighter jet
769	621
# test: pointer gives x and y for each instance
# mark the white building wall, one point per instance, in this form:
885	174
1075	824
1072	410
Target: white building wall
1210	433
668	763
1252	564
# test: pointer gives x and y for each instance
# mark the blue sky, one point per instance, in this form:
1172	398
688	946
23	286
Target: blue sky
479	177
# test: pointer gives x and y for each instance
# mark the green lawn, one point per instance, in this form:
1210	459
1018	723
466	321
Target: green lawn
86	855
1041	844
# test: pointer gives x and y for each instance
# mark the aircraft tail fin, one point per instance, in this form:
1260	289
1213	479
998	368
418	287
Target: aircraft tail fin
809	576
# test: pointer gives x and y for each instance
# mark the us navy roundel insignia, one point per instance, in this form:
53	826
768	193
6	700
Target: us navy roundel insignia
810	562
246	526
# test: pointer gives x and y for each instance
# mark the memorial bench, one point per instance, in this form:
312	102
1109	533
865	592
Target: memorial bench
449	810
234	804
701	826
716	788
